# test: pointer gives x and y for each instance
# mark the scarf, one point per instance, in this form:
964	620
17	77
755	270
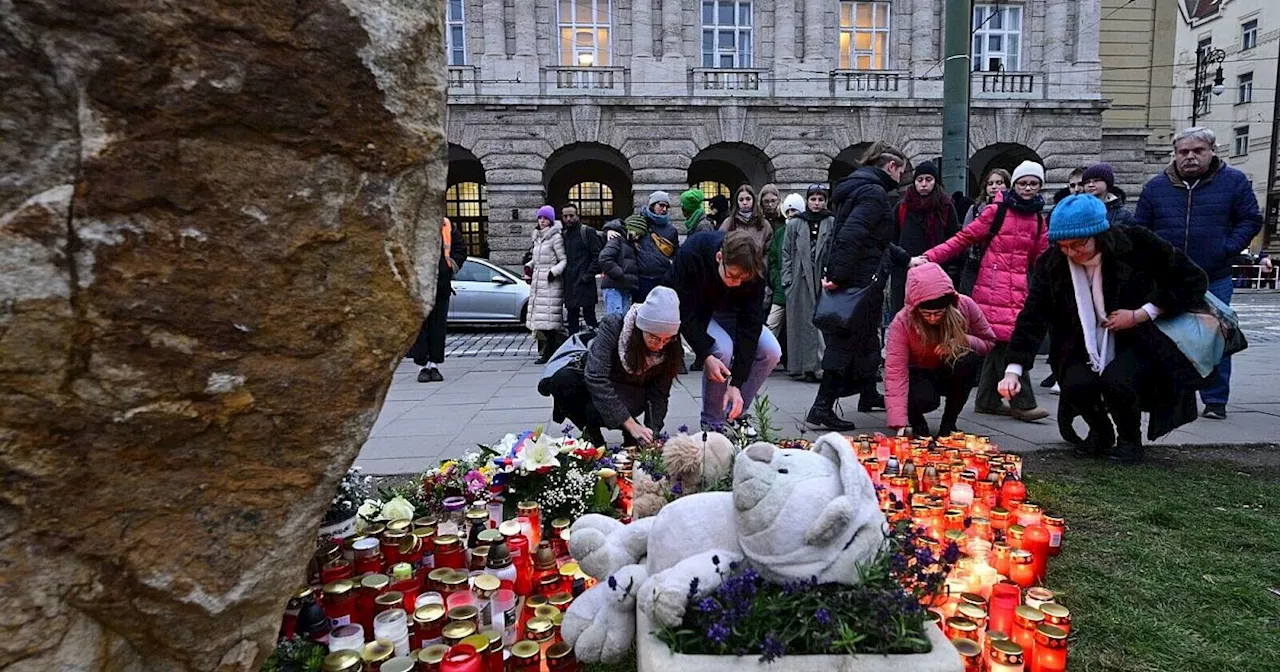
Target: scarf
815	217
692	220
650	360
1086	285
655	218
934	215
1033	205
745	216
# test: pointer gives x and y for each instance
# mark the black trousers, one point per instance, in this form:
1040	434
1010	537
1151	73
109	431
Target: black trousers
568	388
429	346
928	387
588	315
1109	396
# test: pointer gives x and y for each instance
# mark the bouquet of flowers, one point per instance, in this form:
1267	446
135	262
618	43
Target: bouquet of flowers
468	476
562	474
352	491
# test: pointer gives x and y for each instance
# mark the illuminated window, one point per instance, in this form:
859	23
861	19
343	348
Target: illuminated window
466	204
997	37
712	188
455	34
864	35
594	201
584	32
726	33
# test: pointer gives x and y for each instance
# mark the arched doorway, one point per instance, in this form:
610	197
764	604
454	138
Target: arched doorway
731	164
846	162
1006	155
466	202
595	177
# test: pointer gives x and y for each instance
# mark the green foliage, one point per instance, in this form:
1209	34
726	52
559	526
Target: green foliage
295	655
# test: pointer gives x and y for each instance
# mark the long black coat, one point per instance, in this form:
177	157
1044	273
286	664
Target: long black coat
864	229
913	238
582	250
1141	269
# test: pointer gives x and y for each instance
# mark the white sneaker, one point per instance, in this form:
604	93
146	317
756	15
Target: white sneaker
1056	389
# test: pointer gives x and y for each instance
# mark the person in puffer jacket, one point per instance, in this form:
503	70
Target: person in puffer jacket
657	247
1001	287
934	349
1207	209
618	263
1100	181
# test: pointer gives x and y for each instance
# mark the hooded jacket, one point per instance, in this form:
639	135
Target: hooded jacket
618	259
546	291
864	226
905	349
654	251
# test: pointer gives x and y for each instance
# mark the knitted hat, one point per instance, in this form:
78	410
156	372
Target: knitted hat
659	197
1078	216
635	226
660	312
928	168
691	200
548	212
1100	171
1028	169
793	202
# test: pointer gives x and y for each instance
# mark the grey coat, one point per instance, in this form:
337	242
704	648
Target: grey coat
546	292
802	278
617	394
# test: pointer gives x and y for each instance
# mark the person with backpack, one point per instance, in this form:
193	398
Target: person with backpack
1005	241
657	247
619	266
934	350
925	218
582	250
627	370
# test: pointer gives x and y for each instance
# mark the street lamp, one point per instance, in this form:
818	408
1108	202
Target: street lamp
1205	59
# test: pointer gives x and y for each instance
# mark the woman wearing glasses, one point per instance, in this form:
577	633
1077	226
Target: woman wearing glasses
934	350
1094	292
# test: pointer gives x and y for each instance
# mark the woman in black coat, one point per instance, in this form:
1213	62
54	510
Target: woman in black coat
864	229
924	218
1122	364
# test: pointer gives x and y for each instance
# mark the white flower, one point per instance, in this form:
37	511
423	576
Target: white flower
504	446
397	508
537	454
369	509
471	457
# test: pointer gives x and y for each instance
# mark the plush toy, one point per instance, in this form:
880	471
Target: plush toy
692	461
793	514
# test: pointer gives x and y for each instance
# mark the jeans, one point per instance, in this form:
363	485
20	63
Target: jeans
765	358
588	314
616	301
1218	392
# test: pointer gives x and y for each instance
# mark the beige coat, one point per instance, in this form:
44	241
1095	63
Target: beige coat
546	295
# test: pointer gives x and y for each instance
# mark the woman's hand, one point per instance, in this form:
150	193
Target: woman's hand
918	261
611	234
733	403
1119	320
1009	386
638	431
940	350
828	285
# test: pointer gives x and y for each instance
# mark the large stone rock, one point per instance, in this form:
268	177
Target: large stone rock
215	221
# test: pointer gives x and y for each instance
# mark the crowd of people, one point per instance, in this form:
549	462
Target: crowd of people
973	288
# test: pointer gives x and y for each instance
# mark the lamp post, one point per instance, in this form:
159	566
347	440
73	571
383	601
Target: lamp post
1205	59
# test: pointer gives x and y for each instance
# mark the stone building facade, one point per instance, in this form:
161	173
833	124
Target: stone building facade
603	101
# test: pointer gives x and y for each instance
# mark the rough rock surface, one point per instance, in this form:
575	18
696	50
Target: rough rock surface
215	221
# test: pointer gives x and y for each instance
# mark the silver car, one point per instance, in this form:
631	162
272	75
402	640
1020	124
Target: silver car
485	293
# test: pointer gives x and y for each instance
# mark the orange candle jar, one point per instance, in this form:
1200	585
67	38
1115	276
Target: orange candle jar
999	519
959	627
954	519
1022	568
1012	493
1050	650
970	654
1005	656
1025	622
1039	596
1014	536
532	511
975	614
1057	615
449	552
1000	557
526	656
1035	540
1029	513
1057	526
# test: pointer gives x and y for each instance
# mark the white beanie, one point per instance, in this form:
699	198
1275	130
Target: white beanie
660	312
1028	168
793	202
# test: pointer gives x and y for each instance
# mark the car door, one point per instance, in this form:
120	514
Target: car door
486	300
466	303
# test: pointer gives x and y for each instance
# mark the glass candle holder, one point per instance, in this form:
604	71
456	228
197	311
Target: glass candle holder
970	654
1025	622
1057	615
1057	526
1029	513
1001	553
1038	596
958	627
1035	540
338	600
1005	656
1050	649
1022	568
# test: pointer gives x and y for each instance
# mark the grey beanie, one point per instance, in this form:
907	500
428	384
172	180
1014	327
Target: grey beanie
660	312
659	197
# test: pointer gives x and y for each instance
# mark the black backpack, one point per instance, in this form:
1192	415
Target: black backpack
973	261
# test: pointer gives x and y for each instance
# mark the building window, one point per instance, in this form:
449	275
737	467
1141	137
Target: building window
584	32
711	188
1240	145
594	201
1244	88
726	33
1204	46
997	37
456	34
1248	35
466	204
1206	96
864	35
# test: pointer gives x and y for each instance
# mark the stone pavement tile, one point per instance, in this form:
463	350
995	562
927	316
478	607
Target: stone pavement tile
1268	408
393	466
411	391
517	402
515	419
381	447
392	410
424	409
438	426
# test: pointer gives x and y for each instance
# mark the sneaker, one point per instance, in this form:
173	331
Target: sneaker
424	376
870	401
436	376
1215	411
1029	415
810	377
1056	389
1049	381
825	418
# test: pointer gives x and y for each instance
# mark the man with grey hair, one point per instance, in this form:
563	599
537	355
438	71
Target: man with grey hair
1207	209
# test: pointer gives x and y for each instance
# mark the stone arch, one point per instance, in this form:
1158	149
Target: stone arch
731	164
1005	155
593	174
466	200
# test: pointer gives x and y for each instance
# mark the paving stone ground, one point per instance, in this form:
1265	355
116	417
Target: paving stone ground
490	382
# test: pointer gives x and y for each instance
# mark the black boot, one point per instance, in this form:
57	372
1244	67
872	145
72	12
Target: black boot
870	400
594	436
826	418
1102	434
1128	452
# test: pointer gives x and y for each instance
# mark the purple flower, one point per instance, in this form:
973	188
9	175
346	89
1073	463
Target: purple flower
676	489
683	429
613	583
771	649
718	633
822	616
568	427
693	587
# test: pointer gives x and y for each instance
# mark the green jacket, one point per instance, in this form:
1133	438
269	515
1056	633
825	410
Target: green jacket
775	266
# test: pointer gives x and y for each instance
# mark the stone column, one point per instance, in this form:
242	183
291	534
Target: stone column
1057	31
673	29
784	27
1087	31
526	27
815	48
924	43
642	28
495	34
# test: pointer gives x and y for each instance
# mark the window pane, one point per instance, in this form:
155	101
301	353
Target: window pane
1013	48
744	51
882	48
726	13
602	46
882	15
1015	18
708	41
602	12
864	15
566	11
726	39
455	10
862	41
566	46
744	14
583	11
726	60
846	15
708	12
995	43
864	63
997	19
845	40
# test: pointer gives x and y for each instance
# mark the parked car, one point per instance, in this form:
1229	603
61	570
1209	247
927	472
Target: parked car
485	293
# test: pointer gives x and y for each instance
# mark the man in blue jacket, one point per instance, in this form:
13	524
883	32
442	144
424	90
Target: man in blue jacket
1207	209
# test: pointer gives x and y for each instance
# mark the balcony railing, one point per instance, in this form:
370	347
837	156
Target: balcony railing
462	79
1013	84
724	81
881	82
587	79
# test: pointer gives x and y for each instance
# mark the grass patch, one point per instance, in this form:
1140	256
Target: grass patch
1166	566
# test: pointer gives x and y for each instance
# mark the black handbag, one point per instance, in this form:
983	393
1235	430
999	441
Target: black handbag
842	310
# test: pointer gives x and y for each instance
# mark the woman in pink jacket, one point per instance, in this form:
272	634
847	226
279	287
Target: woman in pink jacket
935	346
1015	235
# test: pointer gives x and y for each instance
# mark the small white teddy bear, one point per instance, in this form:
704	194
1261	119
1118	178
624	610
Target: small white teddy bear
792	514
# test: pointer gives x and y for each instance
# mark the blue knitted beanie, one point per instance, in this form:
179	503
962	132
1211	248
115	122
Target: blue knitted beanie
1078	216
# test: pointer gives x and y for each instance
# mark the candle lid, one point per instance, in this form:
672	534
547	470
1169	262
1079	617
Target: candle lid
389	599
961	623
341	661
569	569
399	525
525	649
996	636
455	578
365	544
495	639
375	529
401	664
1054	520
1030	614
466	612
478	642
539	628
1039	594
374	581
1021	557
967	648
428	613
534	601
439	574
426	521
489	536
339	587
477	514
509	528
559	650
378	651
527	506
545	611
1055	611
559	523
458	630
971	612
1051	636
487	582
447	540
1005	651
560	599
432	655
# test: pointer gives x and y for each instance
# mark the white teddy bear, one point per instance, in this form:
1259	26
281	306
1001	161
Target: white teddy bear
792	514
